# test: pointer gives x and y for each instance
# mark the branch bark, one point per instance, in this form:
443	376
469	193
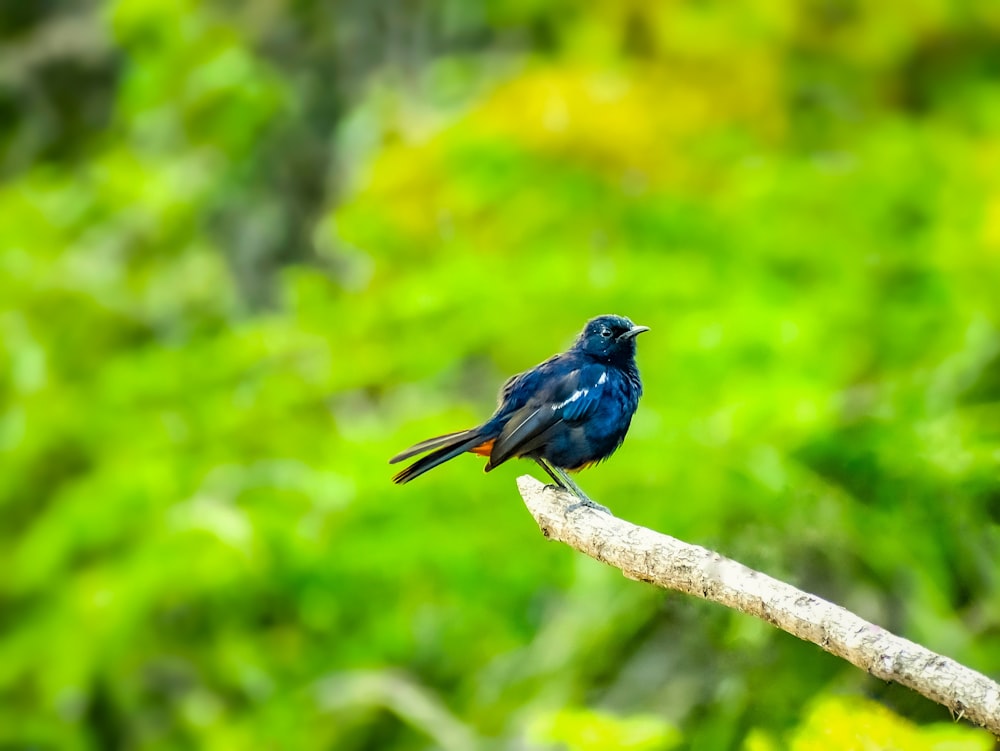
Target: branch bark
655	558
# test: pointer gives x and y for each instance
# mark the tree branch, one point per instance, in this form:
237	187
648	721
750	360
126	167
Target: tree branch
649	556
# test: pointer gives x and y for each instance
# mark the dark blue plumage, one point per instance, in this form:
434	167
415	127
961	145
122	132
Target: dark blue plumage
567	413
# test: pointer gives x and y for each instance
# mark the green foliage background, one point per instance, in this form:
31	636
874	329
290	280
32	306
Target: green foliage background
248	251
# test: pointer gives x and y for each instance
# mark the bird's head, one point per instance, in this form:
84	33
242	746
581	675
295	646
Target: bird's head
610	338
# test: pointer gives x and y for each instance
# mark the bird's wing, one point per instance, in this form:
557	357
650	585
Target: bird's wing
566	398
519	389
508	389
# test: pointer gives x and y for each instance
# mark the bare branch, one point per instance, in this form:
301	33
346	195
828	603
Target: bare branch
649	556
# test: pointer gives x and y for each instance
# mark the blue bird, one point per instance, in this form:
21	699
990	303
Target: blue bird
567	413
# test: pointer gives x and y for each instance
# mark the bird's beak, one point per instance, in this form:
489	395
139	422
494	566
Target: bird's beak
633	332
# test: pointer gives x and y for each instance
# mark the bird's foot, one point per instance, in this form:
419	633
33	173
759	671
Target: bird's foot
586	502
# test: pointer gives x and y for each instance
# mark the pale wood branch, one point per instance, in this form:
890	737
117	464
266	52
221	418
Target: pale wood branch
649	556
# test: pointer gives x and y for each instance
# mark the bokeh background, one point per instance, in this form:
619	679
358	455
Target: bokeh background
249	250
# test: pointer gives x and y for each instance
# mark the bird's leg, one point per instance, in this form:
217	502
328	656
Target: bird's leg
585	500
552	474
565	482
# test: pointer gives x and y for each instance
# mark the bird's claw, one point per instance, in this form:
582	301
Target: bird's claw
588	504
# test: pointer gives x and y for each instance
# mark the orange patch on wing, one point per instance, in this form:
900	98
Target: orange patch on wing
483	449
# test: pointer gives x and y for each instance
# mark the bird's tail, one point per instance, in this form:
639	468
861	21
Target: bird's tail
442	448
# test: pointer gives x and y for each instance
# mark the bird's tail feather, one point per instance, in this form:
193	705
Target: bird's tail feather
430	443
445	447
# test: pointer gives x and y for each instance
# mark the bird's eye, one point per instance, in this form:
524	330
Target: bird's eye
606	333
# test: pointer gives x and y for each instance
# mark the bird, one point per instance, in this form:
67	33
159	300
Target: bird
567	413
